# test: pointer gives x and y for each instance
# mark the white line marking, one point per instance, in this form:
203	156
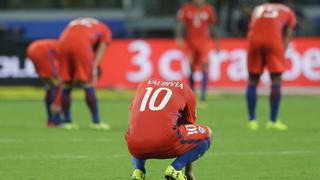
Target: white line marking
263	153
115	156
49	140
8	140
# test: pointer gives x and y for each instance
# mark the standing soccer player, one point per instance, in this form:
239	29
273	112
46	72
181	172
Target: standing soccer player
162	125
43	54
197	18
82	45
270	31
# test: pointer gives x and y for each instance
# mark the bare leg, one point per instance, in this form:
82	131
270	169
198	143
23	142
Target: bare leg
188	172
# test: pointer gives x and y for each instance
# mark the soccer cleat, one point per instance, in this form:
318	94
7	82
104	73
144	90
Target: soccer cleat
278	125
253	125
138	175
70	126
172	174
100	126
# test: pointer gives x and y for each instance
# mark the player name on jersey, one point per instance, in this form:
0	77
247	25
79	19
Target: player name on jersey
176	84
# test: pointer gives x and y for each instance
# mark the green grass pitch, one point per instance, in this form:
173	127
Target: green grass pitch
28	151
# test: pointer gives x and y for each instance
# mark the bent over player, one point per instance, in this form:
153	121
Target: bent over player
270	31
43	54
198	19
162	124
82	45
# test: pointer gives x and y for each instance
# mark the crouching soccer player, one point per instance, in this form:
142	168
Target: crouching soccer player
43	54
162	125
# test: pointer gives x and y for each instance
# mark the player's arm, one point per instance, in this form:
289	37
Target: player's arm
189	173
179	33
215	35
98	56
181	26
288	30
190	109
288	33
213	27
99	53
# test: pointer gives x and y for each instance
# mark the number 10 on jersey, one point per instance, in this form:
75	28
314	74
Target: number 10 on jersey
154	95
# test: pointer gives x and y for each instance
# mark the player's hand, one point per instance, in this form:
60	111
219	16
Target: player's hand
55	109
286	45
179	42
218	47
95	74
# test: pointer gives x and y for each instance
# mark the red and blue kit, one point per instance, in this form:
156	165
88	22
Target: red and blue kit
266	47
77	45
43	54
197	21
162	121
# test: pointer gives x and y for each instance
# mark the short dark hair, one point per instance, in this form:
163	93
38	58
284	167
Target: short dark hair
277	1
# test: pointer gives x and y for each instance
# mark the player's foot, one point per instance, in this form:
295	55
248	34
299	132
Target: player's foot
278	125
253	125
100	126
172	174
138	175
70	126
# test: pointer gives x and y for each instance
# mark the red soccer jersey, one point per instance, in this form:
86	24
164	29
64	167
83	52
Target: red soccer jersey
156	110
43	54
269	19
46	46
86	30
197	21
77	45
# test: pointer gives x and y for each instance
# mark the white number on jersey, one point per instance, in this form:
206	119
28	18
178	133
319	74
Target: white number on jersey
84	22
266	12
153	99
192	129
197	20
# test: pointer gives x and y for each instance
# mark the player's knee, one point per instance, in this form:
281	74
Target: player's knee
210	134
67	84
53	81
254	78
87	84
204	67
276	78
203	146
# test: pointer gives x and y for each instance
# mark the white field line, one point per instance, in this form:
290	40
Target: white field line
115	156
49	140
264	153
8	140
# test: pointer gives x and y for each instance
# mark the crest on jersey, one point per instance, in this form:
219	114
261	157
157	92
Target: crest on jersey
201	130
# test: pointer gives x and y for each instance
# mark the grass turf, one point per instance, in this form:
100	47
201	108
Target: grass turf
31	152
